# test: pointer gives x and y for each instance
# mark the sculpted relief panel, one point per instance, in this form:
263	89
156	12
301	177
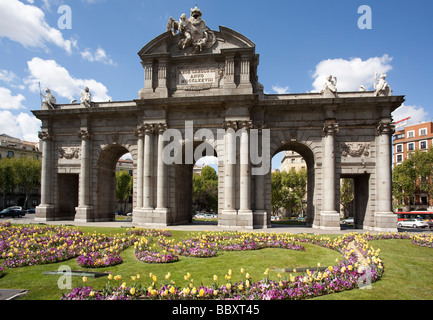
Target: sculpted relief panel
69	153
355	149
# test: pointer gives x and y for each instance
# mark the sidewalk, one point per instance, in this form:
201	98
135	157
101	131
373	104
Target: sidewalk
194	227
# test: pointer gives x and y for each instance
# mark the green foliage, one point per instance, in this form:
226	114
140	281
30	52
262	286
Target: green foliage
123	187
288	191
347	194
23	172
205	189
414	174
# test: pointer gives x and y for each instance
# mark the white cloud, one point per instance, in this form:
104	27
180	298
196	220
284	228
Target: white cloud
7	76
416	114
280	90
57	78
26	25
98	56
9	101
351	74
21	126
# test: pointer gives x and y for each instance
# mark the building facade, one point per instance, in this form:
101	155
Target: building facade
406	141
202	97
11	147
410	139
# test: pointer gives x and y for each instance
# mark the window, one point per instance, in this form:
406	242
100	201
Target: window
399	148
423	144
411	146
399	158
411	134
423	132
11	154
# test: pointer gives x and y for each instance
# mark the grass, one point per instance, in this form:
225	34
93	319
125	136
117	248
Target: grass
407	270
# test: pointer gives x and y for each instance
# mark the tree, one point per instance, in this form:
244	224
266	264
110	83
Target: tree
7	181
205	189
288	191
404	182
123	188
27	175
347	195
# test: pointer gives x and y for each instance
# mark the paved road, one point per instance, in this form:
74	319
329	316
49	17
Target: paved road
201	226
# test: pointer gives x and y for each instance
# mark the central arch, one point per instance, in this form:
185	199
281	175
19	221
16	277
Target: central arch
182	179
307	154
106	182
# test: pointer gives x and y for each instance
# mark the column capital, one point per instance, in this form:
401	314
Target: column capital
330	128
385	128
245	124
160	128
45	136
84	134
139	131
230	125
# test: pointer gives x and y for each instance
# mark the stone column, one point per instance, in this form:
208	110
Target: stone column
230	167
260	215
147	166
161	196
330	218
245	179
385	219
139	132
45	211
84	209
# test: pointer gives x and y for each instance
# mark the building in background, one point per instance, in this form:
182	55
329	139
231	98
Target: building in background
410	139
291	160
11	147
406	141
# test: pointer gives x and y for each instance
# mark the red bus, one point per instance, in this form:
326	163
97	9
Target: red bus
423	215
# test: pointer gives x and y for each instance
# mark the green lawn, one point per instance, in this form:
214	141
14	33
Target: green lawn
407	269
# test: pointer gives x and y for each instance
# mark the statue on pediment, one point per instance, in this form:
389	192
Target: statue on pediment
86	98
194	30
381	88
49	101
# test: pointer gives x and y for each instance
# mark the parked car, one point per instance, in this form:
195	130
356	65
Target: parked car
275	218
414	223
12	212
348	221
31	210
430	224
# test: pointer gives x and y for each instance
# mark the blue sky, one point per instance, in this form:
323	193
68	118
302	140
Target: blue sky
298	42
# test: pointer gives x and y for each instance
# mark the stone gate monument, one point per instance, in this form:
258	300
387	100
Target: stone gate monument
199	83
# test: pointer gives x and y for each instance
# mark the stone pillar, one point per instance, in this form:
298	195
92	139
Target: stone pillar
162	174
139	132
147	167
385	219
230	168
330	218
245	178
45	211
260	214
84	209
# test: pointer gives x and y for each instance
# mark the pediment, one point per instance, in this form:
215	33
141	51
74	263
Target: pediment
168	44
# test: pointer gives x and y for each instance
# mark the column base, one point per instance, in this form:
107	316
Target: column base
385	222
233	219
45	212
260	219
151	217
329	220
84	214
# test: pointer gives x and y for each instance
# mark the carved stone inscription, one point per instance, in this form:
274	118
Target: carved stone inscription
196	76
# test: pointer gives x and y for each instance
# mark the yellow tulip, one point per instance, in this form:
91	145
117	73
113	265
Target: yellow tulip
172	290
132	291
110	277
228	286
84	279
215	278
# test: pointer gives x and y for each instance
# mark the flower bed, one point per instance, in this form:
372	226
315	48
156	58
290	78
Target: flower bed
99	260
423	240
359	262
2	273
